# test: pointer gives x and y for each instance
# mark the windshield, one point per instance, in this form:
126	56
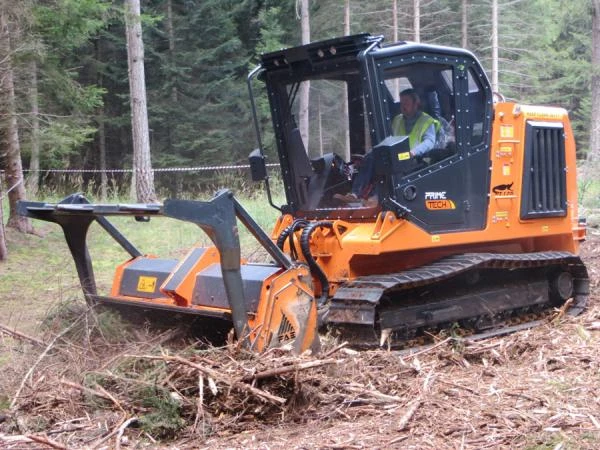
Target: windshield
323	133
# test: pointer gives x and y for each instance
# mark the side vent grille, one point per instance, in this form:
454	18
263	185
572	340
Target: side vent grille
544	176
286	331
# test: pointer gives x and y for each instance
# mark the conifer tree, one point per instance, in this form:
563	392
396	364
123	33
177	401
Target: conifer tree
12	19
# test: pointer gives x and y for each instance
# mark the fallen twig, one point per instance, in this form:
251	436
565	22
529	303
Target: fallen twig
290	368
335	349
425	350
156	341
398	439
38	360
458	386
375	394
46	441
69	430
410	411
105	395
562	311
199	402
18	334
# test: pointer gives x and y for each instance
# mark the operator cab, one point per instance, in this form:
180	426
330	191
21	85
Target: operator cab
347	90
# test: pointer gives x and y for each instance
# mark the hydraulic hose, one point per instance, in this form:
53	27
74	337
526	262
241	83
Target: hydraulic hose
289	232
315	269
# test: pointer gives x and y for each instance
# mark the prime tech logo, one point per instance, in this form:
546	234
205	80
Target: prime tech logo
437	201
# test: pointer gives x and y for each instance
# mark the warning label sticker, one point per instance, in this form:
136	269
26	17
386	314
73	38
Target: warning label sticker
146	284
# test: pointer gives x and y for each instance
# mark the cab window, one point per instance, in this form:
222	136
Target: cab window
431	86
475	110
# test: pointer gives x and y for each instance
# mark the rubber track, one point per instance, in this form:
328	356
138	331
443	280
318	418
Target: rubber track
371	288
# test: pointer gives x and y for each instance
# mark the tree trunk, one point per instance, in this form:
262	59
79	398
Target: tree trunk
495	45
303	118
142	167
174	94
3	249
346	154
171	35
594	152
321	123
417	20
396	81
101	131
34	163
12	156
102	151
464	24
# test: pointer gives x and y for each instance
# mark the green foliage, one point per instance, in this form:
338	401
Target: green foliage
111	326
4	402
62	314
271	38
272	33
198	54
589	191
69	24
57	30
564	51
198	102
164	419
60	140
104	324
550	441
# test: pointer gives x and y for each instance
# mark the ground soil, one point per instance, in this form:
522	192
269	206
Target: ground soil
535	389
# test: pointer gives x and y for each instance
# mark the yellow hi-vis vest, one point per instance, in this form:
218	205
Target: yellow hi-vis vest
415	137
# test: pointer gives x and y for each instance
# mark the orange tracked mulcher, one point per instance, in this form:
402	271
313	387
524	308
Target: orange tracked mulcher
480	230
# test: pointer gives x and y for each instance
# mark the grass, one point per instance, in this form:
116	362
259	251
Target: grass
559	440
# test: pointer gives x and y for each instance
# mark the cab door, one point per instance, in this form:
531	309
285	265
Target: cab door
446	190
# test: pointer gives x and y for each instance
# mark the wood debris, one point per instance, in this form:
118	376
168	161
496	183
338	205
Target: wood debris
533	389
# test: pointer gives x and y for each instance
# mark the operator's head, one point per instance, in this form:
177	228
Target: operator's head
409	103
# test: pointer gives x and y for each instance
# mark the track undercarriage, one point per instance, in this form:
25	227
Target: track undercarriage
472	293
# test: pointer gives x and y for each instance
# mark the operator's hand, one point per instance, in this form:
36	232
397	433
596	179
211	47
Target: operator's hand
412	154
348	170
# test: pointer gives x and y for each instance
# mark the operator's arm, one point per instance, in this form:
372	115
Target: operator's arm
427	144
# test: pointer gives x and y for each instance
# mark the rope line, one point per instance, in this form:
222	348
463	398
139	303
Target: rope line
160	169
3	196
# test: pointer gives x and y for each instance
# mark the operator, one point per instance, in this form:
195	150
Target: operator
421	130
420	127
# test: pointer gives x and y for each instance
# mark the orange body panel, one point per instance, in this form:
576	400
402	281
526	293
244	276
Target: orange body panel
286	295
390	244
182	295
286	311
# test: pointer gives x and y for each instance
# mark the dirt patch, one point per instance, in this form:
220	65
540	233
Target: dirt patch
93	381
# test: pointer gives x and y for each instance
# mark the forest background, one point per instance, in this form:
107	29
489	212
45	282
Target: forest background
68	64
